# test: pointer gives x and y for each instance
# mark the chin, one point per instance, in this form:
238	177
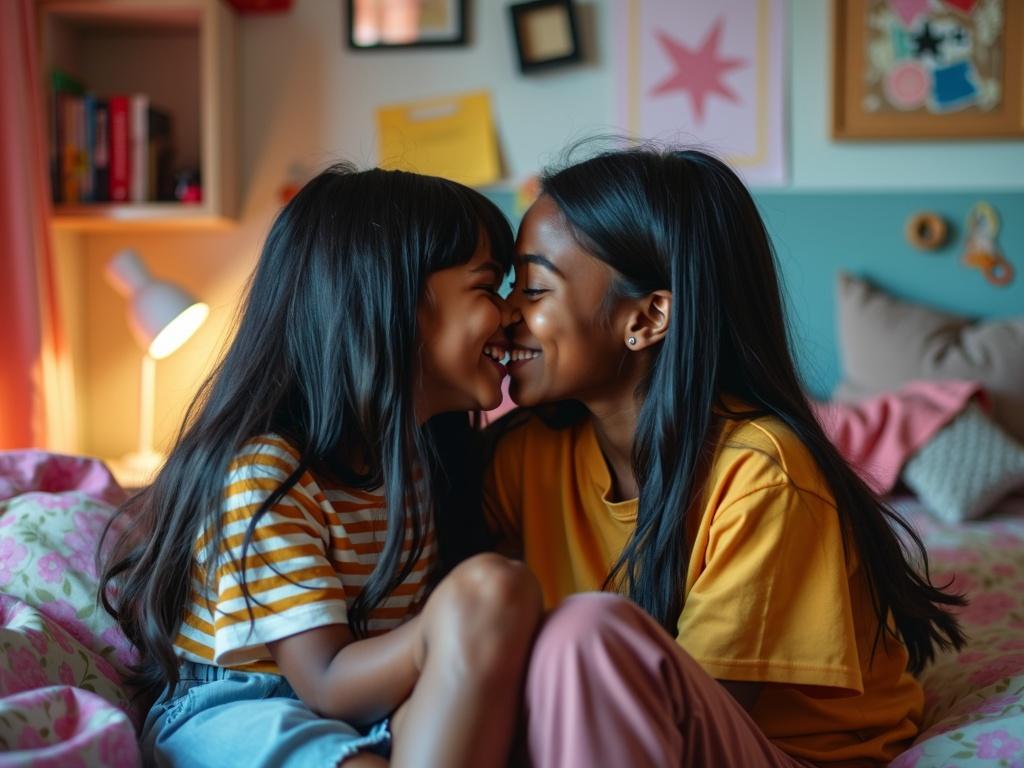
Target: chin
521	396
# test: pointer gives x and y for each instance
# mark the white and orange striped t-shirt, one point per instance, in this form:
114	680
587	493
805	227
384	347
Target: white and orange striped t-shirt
324	538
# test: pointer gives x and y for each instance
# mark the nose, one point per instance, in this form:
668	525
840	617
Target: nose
510	314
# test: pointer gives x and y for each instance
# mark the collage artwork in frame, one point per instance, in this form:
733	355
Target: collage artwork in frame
927	68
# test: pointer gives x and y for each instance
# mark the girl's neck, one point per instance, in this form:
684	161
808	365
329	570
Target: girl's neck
614	423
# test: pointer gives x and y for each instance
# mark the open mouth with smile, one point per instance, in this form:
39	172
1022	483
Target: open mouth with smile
519	356
499	355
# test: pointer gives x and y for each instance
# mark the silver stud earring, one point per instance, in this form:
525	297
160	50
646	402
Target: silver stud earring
631	340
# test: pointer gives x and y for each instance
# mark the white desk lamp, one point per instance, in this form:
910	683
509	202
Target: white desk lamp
162	317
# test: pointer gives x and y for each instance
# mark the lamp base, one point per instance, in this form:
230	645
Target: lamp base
137	469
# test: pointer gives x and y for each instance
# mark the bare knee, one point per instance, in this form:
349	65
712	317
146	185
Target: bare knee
486	609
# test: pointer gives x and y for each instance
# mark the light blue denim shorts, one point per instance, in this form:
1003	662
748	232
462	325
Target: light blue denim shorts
226	717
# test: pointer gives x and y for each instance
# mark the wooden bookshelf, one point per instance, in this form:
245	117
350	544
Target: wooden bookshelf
184	55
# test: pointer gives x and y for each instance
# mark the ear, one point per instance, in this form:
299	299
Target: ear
648	319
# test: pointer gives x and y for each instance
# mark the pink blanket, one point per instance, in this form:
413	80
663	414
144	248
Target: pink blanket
878	435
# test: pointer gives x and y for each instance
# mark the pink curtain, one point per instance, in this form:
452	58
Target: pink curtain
35	373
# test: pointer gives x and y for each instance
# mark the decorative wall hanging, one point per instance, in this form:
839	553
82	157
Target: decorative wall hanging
928	69
383	24
981	250
452	136
545	33
710	74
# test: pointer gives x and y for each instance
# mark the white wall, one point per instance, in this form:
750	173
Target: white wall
307	98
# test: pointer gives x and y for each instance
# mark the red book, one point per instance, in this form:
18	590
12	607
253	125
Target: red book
120	161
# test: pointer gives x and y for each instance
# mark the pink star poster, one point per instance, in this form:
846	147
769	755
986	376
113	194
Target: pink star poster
712	75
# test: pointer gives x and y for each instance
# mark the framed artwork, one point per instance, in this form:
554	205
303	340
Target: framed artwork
546	34
928	69
706	73
383	24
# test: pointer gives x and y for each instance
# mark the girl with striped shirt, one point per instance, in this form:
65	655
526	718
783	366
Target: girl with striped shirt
290	576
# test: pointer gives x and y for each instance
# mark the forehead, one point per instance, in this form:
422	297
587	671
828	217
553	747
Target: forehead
546	232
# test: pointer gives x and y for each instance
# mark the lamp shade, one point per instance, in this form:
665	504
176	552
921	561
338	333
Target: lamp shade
161	315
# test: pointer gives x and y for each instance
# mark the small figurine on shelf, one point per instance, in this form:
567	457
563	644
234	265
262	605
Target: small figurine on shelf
187	188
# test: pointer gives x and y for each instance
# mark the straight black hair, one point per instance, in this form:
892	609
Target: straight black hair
683	221
324	355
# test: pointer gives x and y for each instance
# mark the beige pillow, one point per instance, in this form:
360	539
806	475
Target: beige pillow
885	342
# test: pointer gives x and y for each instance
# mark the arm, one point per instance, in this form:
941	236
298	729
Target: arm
358	681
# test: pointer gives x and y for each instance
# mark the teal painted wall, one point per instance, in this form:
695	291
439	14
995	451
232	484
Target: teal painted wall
818	234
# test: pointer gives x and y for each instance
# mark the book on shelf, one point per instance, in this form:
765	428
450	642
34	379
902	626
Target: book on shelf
152	154
108	149
62	87
120	172
101	152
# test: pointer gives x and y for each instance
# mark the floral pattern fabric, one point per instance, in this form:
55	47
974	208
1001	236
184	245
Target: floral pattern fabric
974	698
62	698
63	703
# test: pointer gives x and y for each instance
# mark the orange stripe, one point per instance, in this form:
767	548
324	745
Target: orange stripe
269	533
241	514
190	645
274	556
230	618
273	582
270	485
193	620
359	569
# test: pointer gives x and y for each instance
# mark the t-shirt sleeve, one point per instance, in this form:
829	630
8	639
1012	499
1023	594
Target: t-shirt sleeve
288	572
502	493
772	602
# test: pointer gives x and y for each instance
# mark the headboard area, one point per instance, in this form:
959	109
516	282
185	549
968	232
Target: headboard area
818	235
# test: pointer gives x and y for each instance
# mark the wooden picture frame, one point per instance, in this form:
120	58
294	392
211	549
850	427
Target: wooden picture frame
426	24
546	34
940	74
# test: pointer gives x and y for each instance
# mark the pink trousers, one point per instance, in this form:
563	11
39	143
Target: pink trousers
607	686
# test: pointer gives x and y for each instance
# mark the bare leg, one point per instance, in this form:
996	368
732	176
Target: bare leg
480	623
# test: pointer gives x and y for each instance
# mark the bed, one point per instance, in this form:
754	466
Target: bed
63	701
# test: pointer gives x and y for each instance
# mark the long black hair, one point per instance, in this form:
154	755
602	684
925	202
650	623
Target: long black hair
683	221
324	355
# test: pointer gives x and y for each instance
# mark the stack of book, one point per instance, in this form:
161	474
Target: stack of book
107	150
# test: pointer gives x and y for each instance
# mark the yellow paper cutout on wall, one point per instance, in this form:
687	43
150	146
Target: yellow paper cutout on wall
450	136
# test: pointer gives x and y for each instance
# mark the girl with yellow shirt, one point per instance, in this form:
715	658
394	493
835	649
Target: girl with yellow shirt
667	453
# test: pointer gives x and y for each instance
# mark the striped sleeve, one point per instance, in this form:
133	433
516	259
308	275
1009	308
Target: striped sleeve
287	568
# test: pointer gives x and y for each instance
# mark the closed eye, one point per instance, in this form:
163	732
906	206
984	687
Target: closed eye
532	293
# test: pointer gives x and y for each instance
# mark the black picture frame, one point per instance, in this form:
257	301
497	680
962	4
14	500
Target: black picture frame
567	39
458	36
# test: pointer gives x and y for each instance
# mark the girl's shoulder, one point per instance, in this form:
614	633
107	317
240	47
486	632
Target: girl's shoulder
268	455
766	452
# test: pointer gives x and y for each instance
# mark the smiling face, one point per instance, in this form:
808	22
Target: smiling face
461	337
564	347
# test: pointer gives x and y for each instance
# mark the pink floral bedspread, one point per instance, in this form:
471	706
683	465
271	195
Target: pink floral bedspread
63	703
62	700
974	699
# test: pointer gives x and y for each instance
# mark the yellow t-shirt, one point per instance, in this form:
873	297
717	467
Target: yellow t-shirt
770	595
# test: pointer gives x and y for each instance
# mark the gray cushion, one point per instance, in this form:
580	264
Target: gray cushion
885	342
